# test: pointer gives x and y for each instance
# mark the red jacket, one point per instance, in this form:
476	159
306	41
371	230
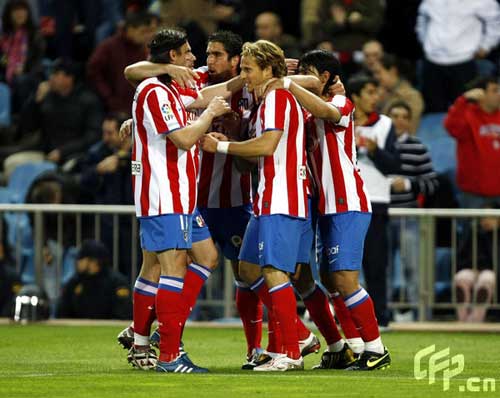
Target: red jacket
478	147
105	71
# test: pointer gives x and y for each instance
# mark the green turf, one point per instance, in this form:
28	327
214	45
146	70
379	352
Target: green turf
65	361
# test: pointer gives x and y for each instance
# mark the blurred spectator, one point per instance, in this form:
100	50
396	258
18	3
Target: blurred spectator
34	6
106	65
474	121
67	115
21	52
268	27
377	158
349	24
475	281
310	21
416	182
395	86
373	51
453	33
95	291
10	281
110	19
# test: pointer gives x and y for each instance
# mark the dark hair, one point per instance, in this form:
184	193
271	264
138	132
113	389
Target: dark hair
357	83
7	25
66	65
481	82
137	19
400	104
403	66
164	41
118	117
231	41
323	61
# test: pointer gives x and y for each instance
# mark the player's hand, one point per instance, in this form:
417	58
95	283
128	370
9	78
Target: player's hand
186	77
42	91
209	143
125	129
337	87
291	65
218	107
218	136
108	165
476	94
54	156
398	184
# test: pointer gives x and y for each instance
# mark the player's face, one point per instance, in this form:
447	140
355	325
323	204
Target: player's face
254	76
184	57
401	120
110	135
220	67
368	98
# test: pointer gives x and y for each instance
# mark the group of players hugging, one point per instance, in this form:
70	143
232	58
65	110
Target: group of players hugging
197	134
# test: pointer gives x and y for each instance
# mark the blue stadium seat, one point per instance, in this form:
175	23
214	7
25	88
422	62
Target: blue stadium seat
441	145
23	176
4	105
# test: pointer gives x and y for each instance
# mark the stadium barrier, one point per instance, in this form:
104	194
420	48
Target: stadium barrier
421	272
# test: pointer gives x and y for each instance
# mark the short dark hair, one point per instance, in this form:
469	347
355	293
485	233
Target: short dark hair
357	83
232	42
66	65
95	250
164	41
323	61
481	82
118	117
400	104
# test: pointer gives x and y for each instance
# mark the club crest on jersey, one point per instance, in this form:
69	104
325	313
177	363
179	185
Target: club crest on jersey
167	112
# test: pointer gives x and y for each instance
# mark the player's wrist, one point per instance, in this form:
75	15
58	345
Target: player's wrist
223	147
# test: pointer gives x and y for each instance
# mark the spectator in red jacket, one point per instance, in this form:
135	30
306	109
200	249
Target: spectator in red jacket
474	121
106	65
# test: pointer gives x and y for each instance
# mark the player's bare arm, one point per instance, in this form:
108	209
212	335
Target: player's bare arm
224	90
186	137
141	70
265	145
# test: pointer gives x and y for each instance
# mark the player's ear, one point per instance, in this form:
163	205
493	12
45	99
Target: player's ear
172	54
323	77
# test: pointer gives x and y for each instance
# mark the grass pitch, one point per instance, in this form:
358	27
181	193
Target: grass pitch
85	361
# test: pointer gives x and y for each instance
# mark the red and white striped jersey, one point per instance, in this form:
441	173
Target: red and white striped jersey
221	184
332	160
163	176
283	176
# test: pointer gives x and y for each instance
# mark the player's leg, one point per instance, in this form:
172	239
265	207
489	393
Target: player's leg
343	252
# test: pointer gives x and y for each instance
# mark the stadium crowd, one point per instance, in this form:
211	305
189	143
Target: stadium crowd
416	72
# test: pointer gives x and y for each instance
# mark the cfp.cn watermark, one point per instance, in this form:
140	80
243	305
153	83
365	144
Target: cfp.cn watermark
428	363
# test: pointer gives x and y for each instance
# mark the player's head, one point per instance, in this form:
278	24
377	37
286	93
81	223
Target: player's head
322	64
261	61
170	46
363	91
400	114
223	55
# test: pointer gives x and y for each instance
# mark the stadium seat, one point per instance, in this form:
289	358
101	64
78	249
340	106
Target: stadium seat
4	105
441	145
23	176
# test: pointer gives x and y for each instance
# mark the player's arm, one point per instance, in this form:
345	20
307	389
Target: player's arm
224	90
186	137
135	73
264	145
308	82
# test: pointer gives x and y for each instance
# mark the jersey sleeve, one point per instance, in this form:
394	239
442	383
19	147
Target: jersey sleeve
275	110
163	111
345	107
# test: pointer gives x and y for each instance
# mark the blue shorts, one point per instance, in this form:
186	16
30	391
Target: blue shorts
167	231
227	227
343	238
306	240
200	228
273	240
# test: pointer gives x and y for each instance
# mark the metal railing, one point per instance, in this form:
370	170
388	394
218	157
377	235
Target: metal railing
89	218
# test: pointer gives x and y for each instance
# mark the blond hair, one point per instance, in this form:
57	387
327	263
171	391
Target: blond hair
266	54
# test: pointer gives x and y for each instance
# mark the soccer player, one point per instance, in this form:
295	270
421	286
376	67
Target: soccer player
344	209
270	245
164	179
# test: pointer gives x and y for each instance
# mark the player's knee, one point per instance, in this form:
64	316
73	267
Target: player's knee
346	282
249	273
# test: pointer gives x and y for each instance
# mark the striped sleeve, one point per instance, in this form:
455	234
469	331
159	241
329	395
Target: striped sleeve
162	111
345	107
